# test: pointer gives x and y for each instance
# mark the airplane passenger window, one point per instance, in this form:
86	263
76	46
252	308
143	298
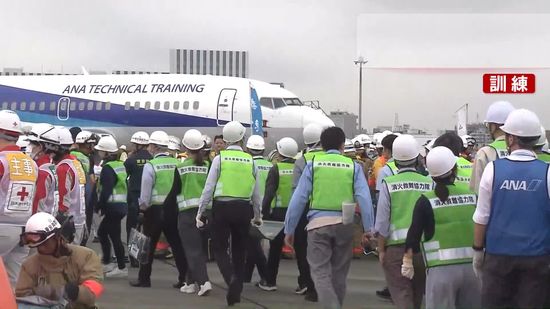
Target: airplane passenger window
177	105
147	105
186	105
32	106
5	105
157	105
23	106
72	106
98	106
127	106
196	105
266	102
81	105
52	106
108	106
166	105
90	106
13	106
278	103
42	106
136	105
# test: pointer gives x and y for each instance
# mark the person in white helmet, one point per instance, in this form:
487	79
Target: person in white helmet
453	142
159	216
511	244
312	140
59	272
495	118
255	256
44	142
112	198
469	143
18	174
174	146
231	209
442	223
189	180
278	191
539	147
397	197
134	168
72	180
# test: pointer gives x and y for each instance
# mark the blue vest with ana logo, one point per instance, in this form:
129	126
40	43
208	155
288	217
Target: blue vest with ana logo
519	224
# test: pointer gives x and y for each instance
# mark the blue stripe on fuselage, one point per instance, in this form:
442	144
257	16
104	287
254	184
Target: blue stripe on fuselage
116	116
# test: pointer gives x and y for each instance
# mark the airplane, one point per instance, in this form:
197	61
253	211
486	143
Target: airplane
123	104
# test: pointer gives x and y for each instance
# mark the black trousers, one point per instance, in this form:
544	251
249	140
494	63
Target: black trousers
155	222
110	231
255	257
515	281
274	258
133	213
231	219
300	248
192	244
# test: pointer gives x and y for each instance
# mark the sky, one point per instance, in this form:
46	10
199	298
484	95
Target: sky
309	45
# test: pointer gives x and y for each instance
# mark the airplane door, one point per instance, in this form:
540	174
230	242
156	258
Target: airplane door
226	101
63	108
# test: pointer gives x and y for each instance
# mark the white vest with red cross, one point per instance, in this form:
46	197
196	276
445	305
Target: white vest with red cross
17	187
75	198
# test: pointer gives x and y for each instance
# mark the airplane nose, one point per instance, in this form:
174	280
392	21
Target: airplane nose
318	117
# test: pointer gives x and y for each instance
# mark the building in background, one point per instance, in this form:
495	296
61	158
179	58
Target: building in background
347	121
212	62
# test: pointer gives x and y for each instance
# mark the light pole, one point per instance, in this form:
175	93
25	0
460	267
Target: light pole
360	61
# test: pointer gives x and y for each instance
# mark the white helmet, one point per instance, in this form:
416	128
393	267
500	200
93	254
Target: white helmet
37	130
107	143
207	142
159	138
193	140
405	148
363	139
440	161
233	132
255	142
522	122
498	112
174	143
542	139
349	146
82	137
65	137
287	147
140	138
10	123
312	133
40	227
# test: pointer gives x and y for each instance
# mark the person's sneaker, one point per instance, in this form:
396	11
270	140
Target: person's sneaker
301	290
117	273
178	285
109	267
140	284
266	287
205	289
188	288
384	293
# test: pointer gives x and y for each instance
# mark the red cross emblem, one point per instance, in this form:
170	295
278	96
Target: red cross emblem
23	194
14	124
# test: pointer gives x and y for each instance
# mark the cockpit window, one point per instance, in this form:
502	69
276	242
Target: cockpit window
266	102
278	103
292	101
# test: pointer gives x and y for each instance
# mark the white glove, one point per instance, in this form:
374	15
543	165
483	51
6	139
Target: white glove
477	262
407	268
257	221
199	221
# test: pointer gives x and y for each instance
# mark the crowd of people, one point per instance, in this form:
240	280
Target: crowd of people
453	225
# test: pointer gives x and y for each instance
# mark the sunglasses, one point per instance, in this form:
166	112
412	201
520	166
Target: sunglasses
34	239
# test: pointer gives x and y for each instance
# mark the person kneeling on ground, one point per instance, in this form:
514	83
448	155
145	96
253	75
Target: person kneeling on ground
59	272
